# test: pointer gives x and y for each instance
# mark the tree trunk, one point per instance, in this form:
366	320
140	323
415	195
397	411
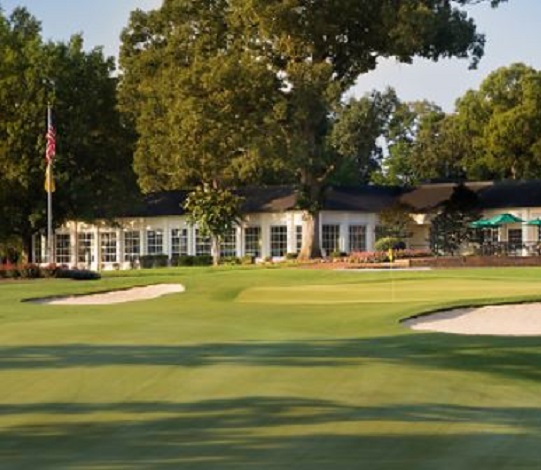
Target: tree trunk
215	249
310	236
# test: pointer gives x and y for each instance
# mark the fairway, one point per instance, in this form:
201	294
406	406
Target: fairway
390	289
267	369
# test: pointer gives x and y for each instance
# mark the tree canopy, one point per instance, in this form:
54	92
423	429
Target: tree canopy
93	163
211	85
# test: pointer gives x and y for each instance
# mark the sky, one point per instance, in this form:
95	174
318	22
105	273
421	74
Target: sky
513	33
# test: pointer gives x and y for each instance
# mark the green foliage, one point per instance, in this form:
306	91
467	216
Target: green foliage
247	259
450	228
93	163
202	102
354	136
215	212
215	86
389	243
182	260
230	260
502	122
190	260
202	260
154	261
77	274
394	221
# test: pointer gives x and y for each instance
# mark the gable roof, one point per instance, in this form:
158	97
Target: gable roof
427	197
367	198
507	194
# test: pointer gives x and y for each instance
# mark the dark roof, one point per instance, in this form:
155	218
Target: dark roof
158	204
507	194
368	198
268	199
427	197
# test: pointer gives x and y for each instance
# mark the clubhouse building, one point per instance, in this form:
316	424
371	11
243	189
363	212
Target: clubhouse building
272	224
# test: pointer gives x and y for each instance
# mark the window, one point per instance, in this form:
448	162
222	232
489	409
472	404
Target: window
154	242
298	238
330	238
252	241
179	241
515	238
85	251
357	238
62	248
228	247
490	235
202	244
278	235
108	247
132	245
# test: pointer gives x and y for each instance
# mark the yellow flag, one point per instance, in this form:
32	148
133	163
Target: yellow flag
390	255
49	180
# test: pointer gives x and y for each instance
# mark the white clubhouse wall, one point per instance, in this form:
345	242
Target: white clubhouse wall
418	240
265	221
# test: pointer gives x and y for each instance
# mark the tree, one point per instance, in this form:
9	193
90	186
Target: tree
502	123
293	62
215	212
204	107
450	228
92	166
354	136
412	138
319	49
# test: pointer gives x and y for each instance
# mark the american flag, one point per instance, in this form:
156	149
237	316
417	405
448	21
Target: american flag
50	149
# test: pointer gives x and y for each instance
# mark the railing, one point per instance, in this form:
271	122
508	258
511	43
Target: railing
508	249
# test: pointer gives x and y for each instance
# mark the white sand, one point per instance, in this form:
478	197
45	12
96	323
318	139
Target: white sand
497	320
115	297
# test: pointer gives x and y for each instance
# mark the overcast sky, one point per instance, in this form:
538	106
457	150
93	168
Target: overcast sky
513	35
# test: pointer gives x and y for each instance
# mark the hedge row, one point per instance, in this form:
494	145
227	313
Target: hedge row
34	271
160	261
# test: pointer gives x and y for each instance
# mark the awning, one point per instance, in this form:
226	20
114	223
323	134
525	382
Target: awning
504	219
536	222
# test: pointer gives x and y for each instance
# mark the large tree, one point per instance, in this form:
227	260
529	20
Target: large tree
205	108
306	55
502	124
93	163
319	49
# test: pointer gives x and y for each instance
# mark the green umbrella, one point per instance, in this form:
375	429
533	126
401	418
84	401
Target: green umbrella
536	222
483	223
503	219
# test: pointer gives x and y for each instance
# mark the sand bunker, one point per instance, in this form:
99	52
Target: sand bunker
116	297
497	320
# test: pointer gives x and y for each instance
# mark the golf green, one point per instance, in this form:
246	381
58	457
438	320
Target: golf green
254	368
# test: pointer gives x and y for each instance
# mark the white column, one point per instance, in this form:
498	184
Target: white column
343	242
97	249
291	233
73	243
166	238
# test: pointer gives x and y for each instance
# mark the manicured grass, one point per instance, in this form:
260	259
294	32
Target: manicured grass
267	369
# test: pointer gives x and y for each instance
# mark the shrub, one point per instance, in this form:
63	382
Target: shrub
292	256
153	261
30	271
229	260
77	274
202	260
387	243
247	259
368	257
182	260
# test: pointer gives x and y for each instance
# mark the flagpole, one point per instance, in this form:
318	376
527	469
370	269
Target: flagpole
50	257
